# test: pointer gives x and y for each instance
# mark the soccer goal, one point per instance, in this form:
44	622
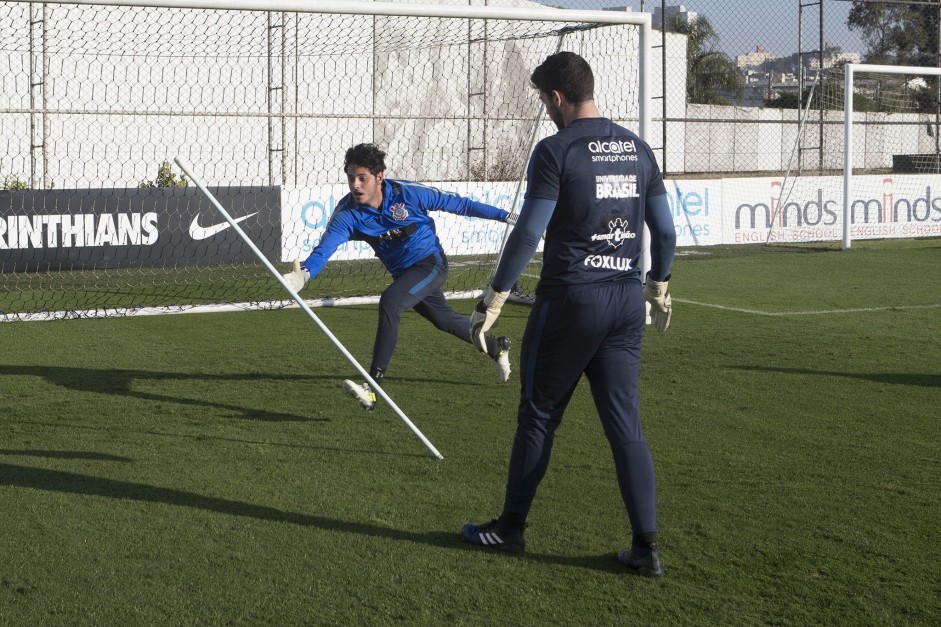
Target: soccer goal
263	98
868	158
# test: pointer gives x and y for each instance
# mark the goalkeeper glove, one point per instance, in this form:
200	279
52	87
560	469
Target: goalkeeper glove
661	305
485	314
297	278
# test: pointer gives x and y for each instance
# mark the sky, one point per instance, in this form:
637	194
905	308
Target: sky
774	24
744	24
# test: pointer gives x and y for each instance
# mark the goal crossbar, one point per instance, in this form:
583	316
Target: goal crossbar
385	8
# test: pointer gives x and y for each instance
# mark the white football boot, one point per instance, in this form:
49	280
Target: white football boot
361	392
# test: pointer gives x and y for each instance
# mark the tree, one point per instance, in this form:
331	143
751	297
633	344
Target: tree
12	183
165	178
711	74
901	34
898	34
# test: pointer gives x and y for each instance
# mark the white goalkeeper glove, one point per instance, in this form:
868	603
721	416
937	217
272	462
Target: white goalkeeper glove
297	278
485	314
661	305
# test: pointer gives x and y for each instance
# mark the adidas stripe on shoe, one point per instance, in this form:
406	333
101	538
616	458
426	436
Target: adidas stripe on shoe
361	392
645	562
493	535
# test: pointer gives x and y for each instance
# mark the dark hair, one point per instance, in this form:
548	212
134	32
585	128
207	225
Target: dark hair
568	73
367	156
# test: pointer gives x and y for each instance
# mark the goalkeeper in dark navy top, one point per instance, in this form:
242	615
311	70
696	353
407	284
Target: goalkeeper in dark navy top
392	216
591	188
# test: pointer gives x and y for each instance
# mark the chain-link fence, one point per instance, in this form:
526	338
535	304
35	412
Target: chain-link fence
750	67
101	96
95	100
730	79
728	100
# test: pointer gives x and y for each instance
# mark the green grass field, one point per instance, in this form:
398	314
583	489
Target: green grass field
206	469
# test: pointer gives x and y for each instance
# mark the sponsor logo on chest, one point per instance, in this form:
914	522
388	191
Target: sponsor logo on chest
612	151
398	211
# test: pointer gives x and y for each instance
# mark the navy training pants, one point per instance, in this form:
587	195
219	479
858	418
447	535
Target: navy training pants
419	287
598	331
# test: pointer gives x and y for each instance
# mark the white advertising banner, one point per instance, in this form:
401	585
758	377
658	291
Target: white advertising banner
896	206
706	212
697	211
804	209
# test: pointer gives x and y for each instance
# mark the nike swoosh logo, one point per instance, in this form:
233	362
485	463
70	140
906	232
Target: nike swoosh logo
198	232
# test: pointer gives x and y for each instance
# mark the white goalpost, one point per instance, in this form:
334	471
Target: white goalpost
851	72
869	165
263	97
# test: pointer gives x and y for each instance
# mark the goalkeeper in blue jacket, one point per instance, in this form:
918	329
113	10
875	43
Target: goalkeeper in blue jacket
392	216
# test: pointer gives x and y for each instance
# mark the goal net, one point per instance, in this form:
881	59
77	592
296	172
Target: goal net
866	162
97	101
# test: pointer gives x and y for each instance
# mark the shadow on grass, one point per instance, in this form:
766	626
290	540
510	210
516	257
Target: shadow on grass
103	457
119	382
901	378
74	483
200	437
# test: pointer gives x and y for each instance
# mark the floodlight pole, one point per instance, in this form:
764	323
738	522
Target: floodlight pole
300	301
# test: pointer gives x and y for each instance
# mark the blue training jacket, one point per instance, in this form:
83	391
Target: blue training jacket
400	232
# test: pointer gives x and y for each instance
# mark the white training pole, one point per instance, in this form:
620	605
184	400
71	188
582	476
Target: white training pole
300	301
847	153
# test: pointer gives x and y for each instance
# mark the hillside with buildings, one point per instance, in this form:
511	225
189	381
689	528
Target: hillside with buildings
768	76
765	75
